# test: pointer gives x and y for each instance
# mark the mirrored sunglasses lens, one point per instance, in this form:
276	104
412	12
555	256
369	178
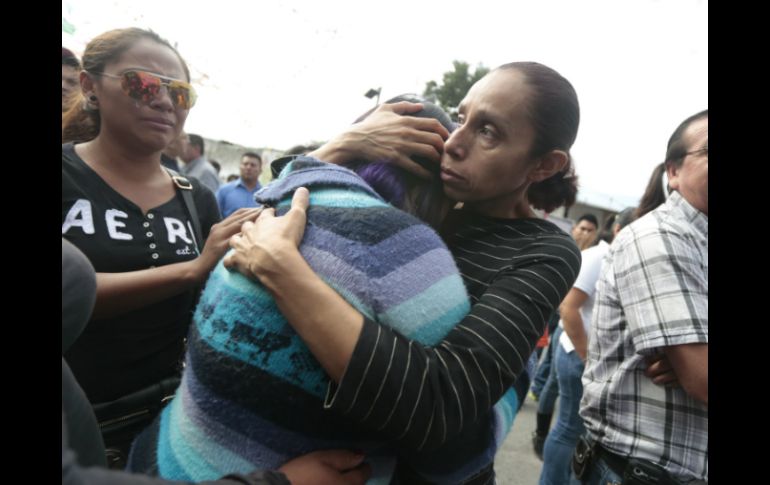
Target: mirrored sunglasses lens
141	85
182	94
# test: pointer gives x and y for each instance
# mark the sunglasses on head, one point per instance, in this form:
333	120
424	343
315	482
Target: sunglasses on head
144	86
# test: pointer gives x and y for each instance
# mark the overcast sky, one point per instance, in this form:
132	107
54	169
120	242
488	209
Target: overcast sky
279	73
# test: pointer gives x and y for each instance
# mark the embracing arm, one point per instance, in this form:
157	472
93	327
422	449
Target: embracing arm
419	395
328	324
423	396
119	293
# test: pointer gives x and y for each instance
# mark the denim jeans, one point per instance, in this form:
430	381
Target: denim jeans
550	391
561	441
521	384
599	474
542	371
544	368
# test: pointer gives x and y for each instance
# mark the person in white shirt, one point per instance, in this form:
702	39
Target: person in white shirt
570	356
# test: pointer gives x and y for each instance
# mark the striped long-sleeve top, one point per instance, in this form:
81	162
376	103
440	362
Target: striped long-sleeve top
432	398
252	393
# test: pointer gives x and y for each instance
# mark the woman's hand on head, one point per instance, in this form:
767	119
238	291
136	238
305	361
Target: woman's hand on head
387	135
261	247
217	243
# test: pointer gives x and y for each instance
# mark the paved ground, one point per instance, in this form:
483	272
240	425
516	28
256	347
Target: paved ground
516	463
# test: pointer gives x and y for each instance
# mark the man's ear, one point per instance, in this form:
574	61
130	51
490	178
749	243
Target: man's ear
549	164
672	171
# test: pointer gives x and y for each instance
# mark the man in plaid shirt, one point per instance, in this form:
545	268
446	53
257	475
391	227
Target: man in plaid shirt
652	306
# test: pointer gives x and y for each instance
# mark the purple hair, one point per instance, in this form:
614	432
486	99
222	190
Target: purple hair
386	180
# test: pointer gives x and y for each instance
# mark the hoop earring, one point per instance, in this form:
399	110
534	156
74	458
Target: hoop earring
91	103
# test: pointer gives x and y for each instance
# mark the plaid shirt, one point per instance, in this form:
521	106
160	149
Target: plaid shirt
652	293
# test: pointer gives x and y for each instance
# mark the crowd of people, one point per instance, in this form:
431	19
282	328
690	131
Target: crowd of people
369	315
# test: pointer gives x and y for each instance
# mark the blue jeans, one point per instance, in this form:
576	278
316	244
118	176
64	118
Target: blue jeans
561	441
599	474
550	391
521	384
544	369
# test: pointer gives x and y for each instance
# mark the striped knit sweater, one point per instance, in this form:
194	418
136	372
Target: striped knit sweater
516	272
251	393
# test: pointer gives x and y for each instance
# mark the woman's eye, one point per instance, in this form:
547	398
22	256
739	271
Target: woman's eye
486	131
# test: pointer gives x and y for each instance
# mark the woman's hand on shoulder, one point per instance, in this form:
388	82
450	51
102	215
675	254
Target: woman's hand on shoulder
217	243
262	246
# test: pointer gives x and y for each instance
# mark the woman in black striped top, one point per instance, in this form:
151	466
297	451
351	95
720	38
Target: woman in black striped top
510	152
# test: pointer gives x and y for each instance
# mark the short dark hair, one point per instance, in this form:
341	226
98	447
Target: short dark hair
590	218
302	149
68	58
252	155
676	149
216	165
555	115
622	219
197	140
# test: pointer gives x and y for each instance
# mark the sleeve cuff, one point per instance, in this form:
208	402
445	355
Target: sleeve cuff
651	343
342	397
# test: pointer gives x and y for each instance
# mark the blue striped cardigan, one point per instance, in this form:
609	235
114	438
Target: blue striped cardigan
252	393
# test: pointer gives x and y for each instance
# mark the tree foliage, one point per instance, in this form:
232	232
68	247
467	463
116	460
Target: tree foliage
454	86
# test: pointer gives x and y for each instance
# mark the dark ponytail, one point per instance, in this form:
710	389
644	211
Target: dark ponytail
79	124
555	191
654	193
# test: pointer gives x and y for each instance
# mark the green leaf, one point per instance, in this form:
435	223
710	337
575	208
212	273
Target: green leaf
454	85
67	27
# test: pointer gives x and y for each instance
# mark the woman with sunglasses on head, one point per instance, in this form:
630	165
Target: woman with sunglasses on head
509	154
130	218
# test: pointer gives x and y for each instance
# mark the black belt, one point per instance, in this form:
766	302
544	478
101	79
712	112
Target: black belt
620	465
616	462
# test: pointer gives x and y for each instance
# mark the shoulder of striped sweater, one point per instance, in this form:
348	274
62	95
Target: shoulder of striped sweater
301	163
545	226
551	235
533	229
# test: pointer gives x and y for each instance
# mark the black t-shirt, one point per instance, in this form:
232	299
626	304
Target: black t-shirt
117	356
